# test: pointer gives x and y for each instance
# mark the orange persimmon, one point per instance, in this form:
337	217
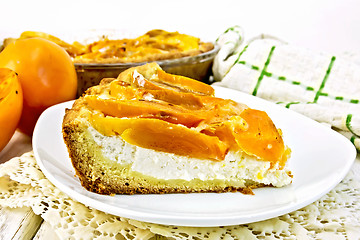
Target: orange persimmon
11	102
46	73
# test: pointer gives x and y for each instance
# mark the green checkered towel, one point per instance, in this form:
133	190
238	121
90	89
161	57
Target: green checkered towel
323	87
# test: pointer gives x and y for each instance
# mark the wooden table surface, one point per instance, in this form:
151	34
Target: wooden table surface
21	223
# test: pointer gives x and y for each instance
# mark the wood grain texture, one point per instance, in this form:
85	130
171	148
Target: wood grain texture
45	232
19	144
18	223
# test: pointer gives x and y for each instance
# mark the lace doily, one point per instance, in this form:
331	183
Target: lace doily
335	216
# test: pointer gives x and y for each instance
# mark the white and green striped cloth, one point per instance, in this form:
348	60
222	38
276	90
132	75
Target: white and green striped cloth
323	87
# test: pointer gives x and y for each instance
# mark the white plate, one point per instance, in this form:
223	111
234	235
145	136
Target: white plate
320	160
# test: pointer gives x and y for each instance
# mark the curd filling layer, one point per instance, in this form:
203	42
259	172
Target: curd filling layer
237	165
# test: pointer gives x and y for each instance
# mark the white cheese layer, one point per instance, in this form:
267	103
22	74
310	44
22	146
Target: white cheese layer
236	166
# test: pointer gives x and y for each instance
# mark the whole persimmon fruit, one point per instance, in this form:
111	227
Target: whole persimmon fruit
11	102
46	73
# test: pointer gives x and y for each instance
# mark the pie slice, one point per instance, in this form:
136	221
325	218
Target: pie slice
150	132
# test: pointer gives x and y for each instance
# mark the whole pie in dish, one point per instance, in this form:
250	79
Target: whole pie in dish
154	45
149	131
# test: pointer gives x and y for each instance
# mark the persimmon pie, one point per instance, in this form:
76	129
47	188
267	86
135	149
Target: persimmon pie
148	131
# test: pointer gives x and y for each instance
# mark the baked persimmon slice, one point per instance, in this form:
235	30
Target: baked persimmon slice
122	92
187	100
139	81
162	136
151	76
261	138
144	109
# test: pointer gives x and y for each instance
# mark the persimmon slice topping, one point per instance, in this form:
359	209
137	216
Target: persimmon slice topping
188	100
185	83
150	108
162	136
144	109
261	138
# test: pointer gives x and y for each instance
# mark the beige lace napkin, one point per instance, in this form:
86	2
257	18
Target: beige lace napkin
335	216
323	87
